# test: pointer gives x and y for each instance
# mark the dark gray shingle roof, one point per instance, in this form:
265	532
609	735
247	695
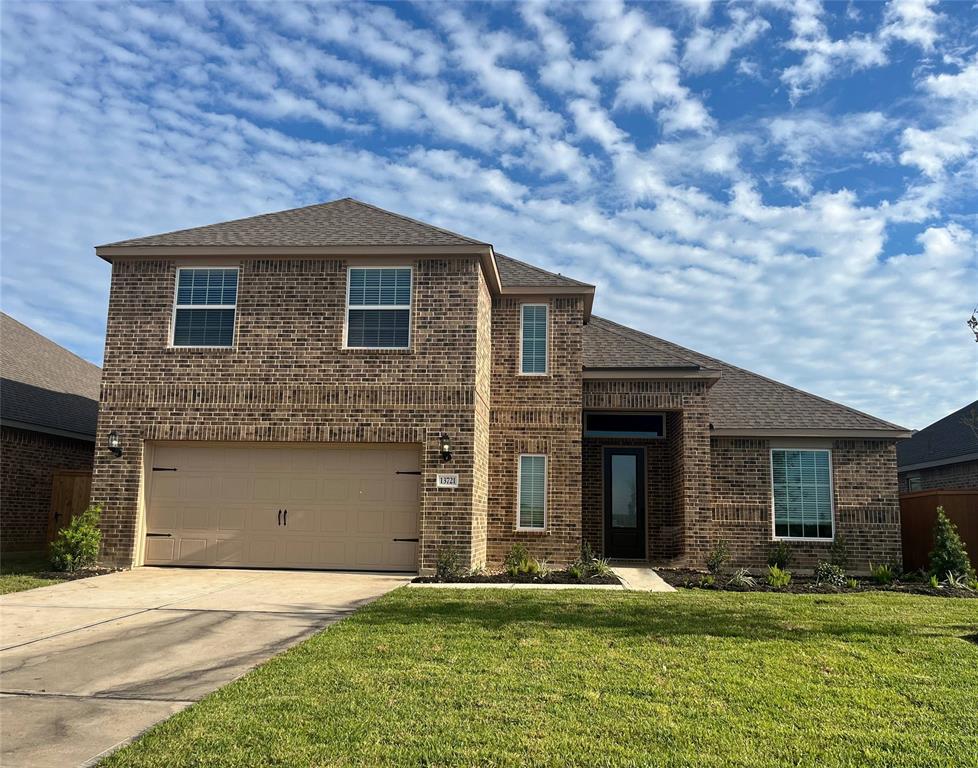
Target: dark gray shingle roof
739	399
944	440
43	384
519	274
345	222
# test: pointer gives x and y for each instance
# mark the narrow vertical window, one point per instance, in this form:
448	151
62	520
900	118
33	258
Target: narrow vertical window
205	306
532	492
379	308
802	490
533	341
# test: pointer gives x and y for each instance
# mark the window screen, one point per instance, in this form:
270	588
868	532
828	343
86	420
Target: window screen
205	307
534	330
379	310
802	494
532	491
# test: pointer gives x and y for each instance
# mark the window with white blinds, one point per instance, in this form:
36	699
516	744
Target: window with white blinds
802	489
533	339
379	307
532	492
206	302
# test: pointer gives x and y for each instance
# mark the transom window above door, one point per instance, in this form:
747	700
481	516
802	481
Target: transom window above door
648	425
206	301
379	308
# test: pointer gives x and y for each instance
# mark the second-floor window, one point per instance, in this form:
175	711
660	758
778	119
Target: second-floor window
533	339
379	307
203	315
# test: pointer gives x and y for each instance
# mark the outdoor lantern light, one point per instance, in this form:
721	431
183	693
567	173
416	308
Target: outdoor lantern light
114	446
446	447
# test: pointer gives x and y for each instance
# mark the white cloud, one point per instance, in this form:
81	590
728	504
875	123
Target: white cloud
912	21
709	49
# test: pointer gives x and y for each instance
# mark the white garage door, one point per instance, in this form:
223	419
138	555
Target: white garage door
283	506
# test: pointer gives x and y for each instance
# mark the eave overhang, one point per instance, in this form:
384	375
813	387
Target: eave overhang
890	434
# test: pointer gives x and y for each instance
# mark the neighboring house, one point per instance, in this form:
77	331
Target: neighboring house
48	413
942	456
339	386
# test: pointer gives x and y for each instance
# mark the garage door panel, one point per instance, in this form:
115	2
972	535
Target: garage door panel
346	505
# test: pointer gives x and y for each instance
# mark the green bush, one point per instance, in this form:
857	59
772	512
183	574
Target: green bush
777	577
519	562
934	581
718	557
949	554
828	573
741	579
576	571
448	565
707	581
780	556
881	574
852	584
839	552
76	545
599	566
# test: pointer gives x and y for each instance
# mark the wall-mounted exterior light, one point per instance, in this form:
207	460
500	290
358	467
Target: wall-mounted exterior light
446	447
114	448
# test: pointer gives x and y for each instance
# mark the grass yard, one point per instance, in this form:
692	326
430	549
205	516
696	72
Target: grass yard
543	678
17	572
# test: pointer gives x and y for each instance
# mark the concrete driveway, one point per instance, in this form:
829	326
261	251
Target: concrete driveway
88	665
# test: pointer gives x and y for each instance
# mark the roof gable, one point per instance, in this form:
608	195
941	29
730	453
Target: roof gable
741	399
345	222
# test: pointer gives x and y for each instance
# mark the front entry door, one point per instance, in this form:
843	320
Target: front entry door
624	503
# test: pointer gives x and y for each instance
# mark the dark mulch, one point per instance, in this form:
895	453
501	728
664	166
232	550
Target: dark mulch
690	579
83	573
554	577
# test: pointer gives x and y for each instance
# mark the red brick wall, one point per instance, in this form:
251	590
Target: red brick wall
28	461
961	476
289	379
536	414
867	511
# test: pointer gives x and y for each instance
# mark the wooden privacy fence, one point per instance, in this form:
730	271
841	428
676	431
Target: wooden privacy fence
70	493
918	513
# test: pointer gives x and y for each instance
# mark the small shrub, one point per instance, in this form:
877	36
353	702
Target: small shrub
448	565
777	577
882	574
599	567
973	585
956	581
576	571
718	557
517	560
707	581
949	554
934	582
852	584
839	552
587	553
827	573
741	579
780	556
76	545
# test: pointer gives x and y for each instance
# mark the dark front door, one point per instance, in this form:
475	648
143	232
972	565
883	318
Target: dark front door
624	503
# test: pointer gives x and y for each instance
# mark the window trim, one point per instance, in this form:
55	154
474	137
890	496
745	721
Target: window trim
810	539
519	360
519	488
410	307
173	314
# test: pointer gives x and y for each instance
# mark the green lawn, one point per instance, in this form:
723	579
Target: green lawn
17	572
500	678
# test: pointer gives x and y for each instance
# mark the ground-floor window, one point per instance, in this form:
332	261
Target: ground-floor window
802	490
532	492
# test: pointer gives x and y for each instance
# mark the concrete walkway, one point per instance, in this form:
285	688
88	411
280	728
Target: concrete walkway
641	578
87	665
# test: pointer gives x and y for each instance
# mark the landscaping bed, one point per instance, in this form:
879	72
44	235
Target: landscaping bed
19	572
553	577
689	578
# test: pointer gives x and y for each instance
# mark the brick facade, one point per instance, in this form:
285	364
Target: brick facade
29	461
867	507
288	378
960	476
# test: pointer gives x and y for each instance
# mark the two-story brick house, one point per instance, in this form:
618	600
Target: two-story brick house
339	386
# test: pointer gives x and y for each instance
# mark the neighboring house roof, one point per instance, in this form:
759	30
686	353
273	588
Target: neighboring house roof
741	402
345	222
519	274
43	386
946	441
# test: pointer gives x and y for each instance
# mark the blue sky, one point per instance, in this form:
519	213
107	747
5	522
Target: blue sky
789	186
